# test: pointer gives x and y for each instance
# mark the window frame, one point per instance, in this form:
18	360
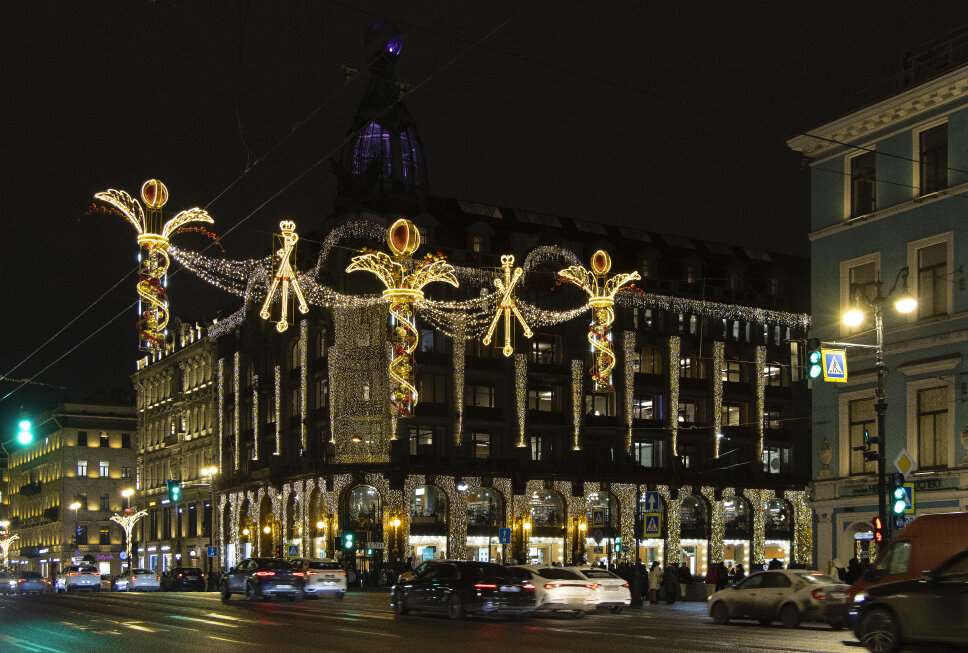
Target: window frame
912	261
917	135
849	212
845	298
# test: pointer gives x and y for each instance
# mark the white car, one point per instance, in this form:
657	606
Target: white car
790	595
78	577
558	589
609	591
143	580
323	576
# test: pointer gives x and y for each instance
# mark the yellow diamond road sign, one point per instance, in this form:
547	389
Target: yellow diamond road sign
905	463
834	365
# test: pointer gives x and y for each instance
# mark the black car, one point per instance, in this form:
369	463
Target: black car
929	610
261	578
183	579
461	587
30	582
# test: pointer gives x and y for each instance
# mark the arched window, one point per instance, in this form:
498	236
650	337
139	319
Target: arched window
547	509
319	347
428	505
778	516
693	514
294	361
485	507
738	516
363	509
477	244
603	510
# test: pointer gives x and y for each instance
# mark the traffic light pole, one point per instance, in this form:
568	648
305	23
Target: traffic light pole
880	406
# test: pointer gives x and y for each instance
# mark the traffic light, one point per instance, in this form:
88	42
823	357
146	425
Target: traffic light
174	490
348	541
278	550
898	495
814	358
25	435
878	529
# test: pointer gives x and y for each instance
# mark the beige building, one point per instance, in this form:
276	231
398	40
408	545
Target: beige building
82	453
176	419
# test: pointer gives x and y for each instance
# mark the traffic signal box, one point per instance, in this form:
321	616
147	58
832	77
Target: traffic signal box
174	490
878	530
814	358
348	541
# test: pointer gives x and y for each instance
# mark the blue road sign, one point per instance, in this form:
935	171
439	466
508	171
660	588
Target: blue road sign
504	535
652	522
834	365
293	550
212	552
598	516
908	498
650	501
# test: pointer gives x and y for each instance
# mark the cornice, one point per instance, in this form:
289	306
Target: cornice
902	106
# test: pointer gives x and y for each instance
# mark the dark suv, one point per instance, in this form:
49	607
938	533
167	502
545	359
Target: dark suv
262	578
183	579
462	587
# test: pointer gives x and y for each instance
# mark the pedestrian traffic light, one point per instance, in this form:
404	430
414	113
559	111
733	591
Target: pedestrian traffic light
899	495
278	550
878	529
348	541
174	490
814	358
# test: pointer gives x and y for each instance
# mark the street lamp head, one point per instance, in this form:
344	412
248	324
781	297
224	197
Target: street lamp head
396	523
854	317
127	493
527	526
267	530
75	505
209	471
583	527
320	524
906	302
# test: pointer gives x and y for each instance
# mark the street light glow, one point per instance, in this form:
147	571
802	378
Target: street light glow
854	317
906	303
75	505
127	493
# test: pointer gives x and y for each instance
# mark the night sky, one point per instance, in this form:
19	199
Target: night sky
671	116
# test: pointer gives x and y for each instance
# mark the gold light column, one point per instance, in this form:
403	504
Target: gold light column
506	307
601	295
404	280
153	238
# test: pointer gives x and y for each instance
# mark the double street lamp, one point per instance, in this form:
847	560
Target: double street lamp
904	302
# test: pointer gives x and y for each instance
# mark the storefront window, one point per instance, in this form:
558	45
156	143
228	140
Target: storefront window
547	509
603	510
363	509
737	515
428	505
484	508
693	514
778	516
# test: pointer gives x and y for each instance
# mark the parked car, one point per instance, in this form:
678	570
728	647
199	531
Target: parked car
610	591
183	579
29	582
143	580
78	577
263	578
323	577
930	610
462	587
921	545
558	589
7	583
790	595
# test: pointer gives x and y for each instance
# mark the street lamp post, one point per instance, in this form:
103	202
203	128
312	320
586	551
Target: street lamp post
210	472
74	506
904	303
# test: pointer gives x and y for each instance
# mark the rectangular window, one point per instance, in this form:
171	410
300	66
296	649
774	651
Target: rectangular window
82	438
643	407
861	420
433	388
421	440
105	502
82	468
772	419
192	521
125	472
481	444
689	453
776	459
105	440
692	367
125	440
932	427
933	280
599	404
322	394
863	176
732	414
103	469
774	374
542	447
688	411
544	349
860	282
430	341
479	395
732	372
478	349
81	534
650	453
294	397
933	159
543	398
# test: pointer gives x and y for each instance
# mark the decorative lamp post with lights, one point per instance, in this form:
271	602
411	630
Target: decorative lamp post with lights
209	473
904	302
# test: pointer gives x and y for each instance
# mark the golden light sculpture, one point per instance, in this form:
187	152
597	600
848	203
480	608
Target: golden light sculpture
506	307
601	295
286	276
153	238
404	279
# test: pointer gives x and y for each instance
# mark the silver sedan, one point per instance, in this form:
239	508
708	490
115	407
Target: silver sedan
787	595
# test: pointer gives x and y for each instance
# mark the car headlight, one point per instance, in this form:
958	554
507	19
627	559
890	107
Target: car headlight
860	597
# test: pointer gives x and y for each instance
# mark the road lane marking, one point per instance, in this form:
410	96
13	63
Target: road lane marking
30	646
234	641
203	621
223	616
368	632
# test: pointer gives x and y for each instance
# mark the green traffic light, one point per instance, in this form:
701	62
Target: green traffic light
815	371
25	435
815	357
899	506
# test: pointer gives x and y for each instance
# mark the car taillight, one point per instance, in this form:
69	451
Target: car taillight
625	584
74	573
485	586
818	594
158	578
341	573
551	586
180	575
134	578
594	586
21	580
298	573
265	573
527	587
312	573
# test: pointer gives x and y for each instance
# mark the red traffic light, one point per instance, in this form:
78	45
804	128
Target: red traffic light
878	529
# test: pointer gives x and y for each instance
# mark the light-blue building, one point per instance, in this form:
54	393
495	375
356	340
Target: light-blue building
889	202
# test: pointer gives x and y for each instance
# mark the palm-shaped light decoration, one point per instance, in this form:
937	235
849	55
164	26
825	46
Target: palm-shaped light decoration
128	521
153	238
5	548
404	279
601	295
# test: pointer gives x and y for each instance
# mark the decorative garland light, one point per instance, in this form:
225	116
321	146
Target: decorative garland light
303	382
236	399
459	358
153	238
220	391
761	378
255	416
278	386
628	351
718	366
521	395
507	306
577	378
285	276
674	367
601	292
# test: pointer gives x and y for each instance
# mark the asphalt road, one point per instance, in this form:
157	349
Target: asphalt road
183	622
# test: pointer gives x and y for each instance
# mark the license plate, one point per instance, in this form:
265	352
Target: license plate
284	587
510	588
611	588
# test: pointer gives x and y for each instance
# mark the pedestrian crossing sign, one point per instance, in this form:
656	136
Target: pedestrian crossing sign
652	524
834	365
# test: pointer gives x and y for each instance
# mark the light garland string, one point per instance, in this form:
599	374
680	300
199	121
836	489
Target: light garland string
303	382
628	356
577	379
803	527
521	395
718	366
235	398
277	381
220	407
674	367
255	416
760	398
717	524
459	360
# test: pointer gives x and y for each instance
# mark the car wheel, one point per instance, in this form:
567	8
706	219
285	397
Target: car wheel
250	593
455	607
878	631
720	613
399	606
615	609
789	616
225	594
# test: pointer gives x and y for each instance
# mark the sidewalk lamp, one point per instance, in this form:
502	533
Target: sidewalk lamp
904	302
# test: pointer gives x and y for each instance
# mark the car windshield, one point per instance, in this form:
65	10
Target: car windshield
141	571
314	564
481	569
191	571
598	573
30	574
558	574
818	578
272	563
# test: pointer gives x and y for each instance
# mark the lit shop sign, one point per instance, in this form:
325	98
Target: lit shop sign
105	556
166	548
43	551
152	548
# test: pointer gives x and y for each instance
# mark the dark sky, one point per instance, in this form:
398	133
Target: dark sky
671	115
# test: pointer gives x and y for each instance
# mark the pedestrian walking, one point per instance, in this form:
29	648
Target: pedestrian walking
775	564
655	582
712	578
685	578
722	576
740	573
669	585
